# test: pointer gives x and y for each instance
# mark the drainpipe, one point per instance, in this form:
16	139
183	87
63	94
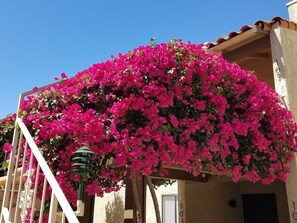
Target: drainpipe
292	9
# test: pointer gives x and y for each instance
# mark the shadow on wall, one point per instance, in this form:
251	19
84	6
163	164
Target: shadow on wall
114	210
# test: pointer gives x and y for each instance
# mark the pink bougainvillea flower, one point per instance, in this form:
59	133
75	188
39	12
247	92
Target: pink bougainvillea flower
7	147
35	89
64	76
162	105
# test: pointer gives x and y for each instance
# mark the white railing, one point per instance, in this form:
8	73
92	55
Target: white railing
22	202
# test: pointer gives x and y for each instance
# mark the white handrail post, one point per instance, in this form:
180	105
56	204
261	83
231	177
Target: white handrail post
56	189
53	209
10	170
21	140
11	165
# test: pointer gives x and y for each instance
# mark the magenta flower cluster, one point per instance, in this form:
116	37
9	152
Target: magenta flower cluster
6	133
162	105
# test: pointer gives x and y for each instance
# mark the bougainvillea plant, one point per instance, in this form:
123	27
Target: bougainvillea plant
6	133
162	105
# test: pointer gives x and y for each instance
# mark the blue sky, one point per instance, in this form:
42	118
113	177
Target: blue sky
40	39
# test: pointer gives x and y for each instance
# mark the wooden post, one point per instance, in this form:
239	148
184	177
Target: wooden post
130	208
141	186
89	209
129	203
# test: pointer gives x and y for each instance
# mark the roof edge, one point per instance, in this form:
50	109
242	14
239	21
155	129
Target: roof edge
234	41
260	27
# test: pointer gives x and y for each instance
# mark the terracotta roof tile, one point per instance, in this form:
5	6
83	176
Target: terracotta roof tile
263	24
245	28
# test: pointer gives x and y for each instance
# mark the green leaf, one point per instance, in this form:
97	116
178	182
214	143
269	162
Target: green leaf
5	165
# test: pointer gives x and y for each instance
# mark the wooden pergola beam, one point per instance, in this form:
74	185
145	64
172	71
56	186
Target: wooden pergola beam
176	174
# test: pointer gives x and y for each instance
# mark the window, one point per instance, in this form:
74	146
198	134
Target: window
169	208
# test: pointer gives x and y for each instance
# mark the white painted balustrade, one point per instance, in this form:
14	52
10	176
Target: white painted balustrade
27	181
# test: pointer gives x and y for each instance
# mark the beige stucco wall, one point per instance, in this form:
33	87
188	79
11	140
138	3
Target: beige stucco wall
289	46
284	50
160	191
289	49
278	188
208	202
100	203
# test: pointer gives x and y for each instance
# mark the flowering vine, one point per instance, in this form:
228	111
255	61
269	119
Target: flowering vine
162	105
6	133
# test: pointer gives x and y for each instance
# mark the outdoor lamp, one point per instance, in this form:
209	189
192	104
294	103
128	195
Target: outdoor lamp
82	164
